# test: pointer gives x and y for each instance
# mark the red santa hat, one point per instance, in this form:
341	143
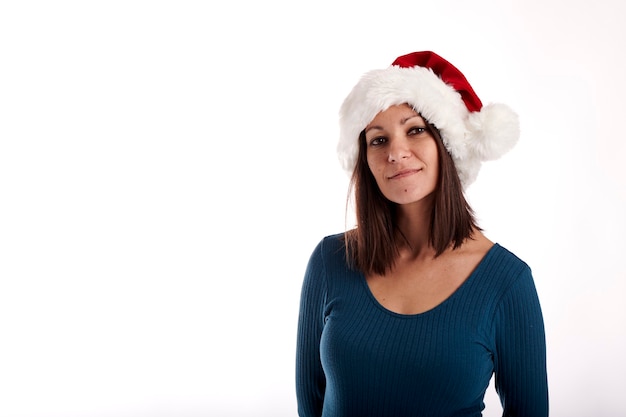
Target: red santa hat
439	92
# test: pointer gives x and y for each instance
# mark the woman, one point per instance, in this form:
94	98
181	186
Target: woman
413	311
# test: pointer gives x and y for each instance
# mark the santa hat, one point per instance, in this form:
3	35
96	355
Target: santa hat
440	93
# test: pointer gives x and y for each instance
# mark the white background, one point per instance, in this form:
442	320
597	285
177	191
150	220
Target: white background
166	168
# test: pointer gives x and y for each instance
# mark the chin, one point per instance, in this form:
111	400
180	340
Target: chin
410	197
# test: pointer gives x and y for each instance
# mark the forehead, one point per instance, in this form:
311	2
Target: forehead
395	114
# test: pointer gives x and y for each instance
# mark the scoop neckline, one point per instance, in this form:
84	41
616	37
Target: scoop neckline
438	306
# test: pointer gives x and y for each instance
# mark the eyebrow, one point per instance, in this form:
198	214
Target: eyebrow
406	119
371	128
402	122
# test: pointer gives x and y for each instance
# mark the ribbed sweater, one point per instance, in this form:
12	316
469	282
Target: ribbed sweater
355	358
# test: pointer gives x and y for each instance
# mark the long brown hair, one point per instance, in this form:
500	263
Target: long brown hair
373	245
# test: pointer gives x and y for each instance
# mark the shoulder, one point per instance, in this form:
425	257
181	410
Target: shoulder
330	246
509	274
507	257
500	270
327	262
493	263
330	249
506	261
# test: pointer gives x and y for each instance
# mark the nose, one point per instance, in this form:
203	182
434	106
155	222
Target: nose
398	150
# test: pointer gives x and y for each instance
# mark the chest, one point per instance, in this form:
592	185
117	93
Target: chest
364	347
414	287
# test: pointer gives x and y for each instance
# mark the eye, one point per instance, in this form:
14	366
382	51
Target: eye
416	130
377	141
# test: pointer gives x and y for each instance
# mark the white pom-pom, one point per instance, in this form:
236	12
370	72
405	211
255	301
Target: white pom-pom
494	130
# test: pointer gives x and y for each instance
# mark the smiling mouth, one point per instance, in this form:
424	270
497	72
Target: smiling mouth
404	173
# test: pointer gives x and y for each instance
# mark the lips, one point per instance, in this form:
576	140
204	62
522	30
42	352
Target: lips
403	174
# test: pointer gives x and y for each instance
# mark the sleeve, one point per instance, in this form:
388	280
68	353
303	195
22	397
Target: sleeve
520	358
310	379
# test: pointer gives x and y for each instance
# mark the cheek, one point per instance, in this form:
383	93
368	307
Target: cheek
375	166
431	153
436	165
434	157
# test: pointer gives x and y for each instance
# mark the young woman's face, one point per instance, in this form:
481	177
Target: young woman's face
402	155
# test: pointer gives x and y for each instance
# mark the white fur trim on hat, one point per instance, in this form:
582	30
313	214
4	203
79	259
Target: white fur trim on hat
469	137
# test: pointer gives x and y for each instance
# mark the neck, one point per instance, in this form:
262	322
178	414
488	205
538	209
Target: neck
414	226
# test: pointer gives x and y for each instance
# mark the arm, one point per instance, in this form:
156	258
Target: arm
520	360
310	379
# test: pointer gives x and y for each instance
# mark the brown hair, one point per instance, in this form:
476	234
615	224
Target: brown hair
373	245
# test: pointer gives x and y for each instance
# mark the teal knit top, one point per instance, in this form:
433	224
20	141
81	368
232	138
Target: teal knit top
355	358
